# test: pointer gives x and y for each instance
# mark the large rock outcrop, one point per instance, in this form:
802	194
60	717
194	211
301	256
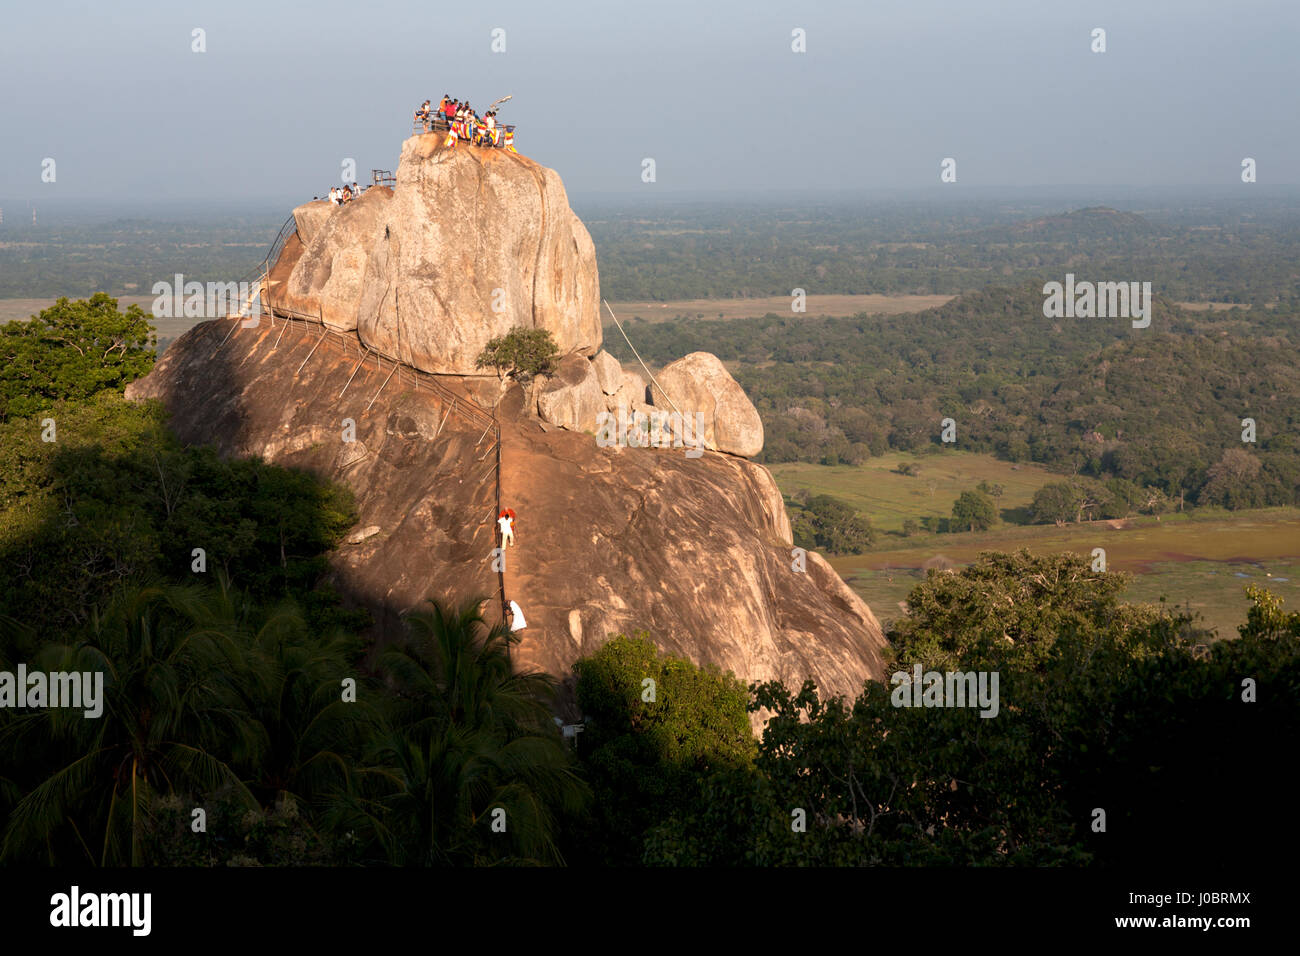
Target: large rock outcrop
469	244
329	275
694	551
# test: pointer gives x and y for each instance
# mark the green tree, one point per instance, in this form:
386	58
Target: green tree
520	351
974	511
1101	704
1266	620
71	351
657	728
1057	502
1234	481
1009	609
281	835
117	498
293	686
467	736
170	721
827	523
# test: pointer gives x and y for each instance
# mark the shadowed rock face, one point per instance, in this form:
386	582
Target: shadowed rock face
470	244
697	552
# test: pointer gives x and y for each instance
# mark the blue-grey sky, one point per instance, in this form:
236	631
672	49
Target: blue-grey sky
710	90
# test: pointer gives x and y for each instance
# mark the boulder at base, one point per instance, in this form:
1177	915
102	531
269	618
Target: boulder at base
700	383
571	397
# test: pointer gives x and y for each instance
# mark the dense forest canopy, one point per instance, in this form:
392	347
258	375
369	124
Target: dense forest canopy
1073	394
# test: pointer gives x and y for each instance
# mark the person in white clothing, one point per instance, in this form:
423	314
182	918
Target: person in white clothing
507	530
517	622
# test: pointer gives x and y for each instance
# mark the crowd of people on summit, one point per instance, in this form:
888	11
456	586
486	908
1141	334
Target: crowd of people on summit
343	194
463	123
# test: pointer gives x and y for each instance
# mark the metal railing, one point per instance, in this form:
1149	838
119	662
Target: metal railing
435	123
289	228
383	177
455	403
462	405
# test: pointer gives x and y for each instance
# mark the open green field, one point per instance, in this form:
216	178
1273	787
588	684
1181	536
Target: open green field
877	490
1201	562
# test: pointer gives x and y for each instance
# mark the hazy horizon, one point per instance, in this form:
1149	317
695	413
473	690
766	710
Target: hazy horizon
281	98
63	209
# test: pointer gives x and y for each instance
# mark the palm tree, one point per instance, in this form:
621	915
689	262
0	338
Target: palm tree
293	687
455	665
170	723
468	736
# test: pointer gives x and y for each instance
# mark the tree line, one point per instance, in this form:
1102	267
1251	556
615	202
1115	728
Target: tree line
1154	415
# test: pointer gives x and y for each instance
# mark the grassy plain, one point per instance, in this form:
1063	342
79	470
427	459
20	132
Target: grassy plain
877	489
1201	560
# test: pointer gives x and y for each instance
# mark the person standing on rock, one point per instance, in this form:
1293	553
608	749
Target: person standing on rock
517	622
453	125
506	525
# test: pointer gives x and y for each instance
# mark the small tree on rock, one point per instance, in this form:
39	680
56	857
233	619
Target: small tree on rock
520	351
